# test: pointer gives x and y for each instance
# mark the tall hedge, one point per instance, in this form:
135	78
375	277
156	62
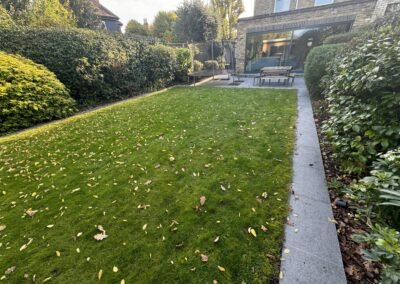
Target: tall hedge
96	66
317	62
29	94
364	102
81	58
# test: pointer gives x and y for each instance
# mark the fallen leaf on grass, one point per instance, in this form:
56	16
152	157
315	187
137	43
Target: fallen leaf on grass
202	200
58	253
263	228
100	274
204	258
147	182
252	232
75	190
102	235
216	240
115	269
144	227
9	270
220	268
172	158
123	281
50	226
2	227
31	212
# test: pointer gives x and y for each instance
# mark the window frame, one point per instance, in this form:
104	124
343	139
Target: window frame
315	3
288	9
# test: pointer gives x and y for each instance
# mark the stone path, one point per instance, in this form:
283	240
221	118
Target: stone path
311	252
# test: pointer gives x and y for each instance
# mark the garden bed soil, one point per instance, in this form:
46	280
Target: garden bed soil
357	269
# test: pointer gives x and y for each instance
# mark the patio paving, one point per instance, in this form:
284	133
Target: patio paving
311	252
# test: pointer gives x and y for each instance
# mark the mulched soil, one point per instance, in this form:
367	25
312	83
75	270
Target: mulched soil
357	269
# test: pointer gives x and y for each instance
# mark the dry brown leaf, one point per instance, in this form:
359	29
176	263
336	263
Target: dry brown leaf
31	212
100	237
202	200
9	270
204	258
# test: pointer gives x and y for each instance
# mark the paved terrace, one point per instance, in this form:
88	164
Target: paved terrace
311	252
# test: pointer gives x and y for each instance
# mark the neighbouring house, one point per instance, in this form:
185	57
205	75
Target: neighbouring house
282	32
109	20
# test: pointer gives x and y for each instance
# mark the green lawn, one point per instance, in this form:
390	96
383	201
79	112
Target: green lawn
139	168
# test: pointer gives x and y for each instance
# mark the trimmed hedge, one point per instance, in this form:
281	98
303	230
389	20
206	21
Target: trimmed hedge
211	64
364	102
341	38
29	94
96	66
317	62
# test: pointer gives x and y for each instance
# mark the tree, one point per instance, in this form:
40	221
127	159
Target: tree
229	12
5	19
17	9
164	24
84	13
195	23
50	13
134	27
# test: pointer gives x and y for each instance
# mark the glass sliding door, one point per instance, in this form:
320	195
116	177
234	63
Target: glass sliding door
286	48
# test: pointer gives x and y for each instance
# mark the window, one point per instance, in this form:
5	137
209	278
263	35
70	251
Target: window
282	5
322	2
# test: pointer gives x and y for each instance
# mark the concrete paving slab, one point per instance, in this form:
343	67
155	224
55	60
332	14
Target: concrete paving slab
314	253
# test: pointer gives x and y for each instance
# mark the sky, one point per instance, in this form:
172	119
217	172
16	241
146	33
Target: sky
141	9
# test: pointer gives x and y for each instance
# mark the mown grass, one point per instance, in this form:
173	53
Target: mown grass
229	145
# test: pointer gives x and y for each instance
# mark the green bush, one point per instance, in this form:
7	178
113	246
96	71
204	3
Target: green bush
184	63
82	59
364	101
97	66
211	64
317	62
5	19
383	247
29	94
197	65
341	38
378	195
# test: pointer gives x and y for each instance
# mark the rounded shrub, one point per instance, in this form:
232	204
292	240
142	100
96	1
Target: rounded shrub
341	38
317	62
29	94
211	65
197	65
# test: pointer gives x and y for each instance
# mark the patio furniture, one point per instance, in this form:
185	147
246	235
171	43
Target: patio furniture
275	73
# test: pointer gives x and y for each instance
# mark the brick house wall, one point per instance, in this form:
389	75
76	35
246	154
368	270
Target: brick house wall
358	12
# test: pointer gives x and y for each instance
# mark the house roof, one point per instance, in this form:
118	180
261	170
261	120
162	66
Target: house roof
103	11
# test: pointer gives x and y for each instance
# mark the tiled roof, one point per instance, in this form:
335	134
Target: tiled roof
103	11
